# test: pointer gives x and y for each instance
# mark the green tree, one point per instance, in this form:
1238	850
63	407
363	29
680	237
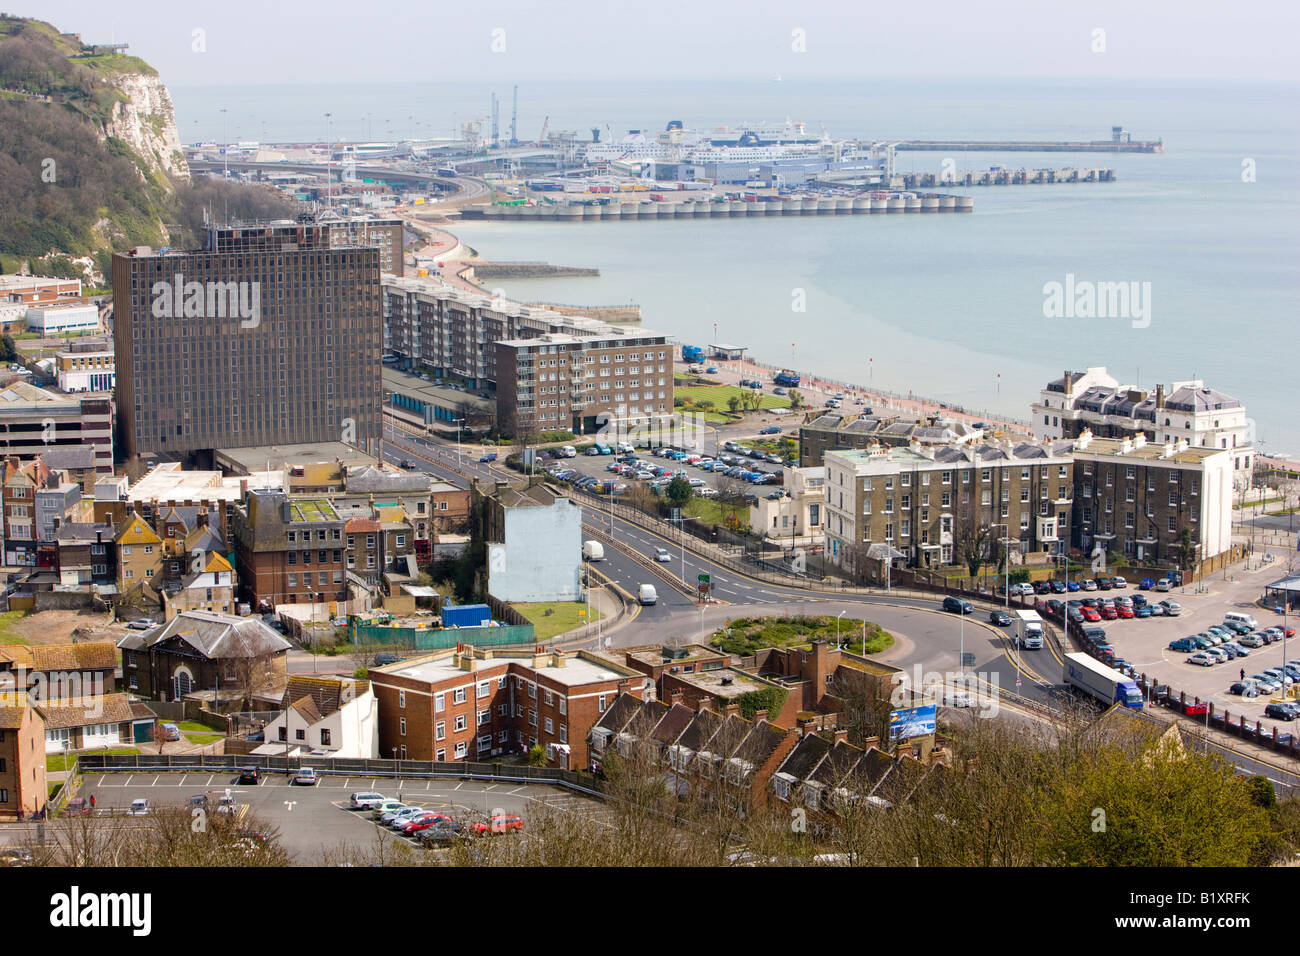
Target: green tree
733	404
536	756
796	399
679	491
1118	806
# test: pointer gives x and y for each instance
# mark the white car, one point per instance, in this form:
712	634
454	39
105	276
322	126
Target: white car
662	555
366	800
957	698
1172	608
1163	585
696	482
1202	658
138	808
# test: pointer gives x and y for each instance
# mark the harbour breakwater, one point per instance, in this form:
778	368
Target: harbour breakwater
606	210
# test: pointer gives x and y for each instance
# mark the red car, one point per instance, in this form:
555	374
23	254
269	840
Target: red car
1090	614
502	823
77	807
423	821
1123	611
1108	612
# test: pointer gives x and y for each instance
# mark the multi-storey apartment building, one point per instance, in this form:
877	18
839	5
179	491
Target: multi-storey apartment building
932	503
472	704
1142	498
86	367
584	383
34	420
267	335
289	550
386	235
1189	412
835	430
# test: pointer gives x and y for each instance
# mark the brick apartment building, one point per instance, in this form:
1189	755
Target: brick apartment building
475	704
833	431
23	786
581	383
1137	498
195	373
931	502
290	550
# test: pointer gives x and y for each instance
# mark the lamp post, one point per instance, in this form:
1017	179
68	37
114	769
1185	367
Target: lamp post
1006	560
459	423
837	630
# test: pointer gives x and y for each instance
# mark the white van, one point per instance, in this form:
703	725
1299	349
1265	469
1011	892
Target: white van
1239	618
568	451
648	595
625	448
593	551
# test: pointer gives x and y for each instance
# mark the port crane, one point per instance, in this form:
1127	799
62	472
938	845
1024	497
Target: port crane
541	140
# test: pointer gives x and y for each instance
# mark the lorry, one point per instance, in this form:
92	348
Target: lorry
1101	682
787	378
1028	627
692	353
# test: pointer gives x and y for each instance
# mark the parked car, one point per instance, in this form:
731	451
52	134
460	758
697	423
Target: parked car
423	821
1146	584
139	808
956	606
441	833
383	660
171	732
1089	585
1236	649
1282	711
501	823
1163	585
1237	627
249	775
15	856
389	805
141	624
1090	614
1244	689
1142	611
1172	608
77	807
305	777
1252	641
1185	644
1218	653
1203	658
1267	684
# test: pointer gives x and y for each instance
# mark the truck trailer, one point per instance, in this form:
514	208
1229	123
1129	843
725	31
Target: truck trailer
1101	682
1028	629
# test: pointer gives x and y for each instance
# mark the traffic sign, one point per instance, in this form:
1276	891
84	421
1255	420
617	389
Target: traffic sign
702	578
968	659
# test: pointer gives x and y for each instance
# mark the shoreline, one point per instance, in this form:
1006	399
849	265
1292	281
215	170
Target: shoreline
754	367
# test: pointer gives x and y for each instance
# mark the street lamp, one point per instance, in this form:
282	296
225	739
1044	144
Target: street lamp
1006	559
459	423
837	630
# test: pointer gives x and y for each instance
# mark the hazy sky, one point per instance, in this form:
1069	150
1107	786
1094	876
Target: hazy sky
288	41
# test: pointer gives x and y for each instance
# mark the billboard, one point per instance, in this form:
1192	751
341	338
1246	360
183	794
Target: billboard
909	722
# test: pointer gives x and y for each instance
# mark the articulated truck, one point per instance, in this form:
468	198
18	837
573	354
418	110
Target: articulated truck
1101	682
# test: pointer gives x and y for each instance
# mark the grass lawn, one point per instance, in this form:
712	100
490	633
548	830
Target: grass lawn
200	740
54	762
563	616
712	511
193	726
719	394
744	636
6	619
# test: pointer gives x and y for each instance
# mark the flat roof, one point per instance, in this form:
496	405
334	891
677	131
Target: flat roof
167	482
405	383
252	458
741	683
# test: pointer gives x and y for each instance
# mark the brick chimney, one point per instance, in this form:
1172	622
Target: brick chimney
675	697
731	710
760	715
841	737
870	742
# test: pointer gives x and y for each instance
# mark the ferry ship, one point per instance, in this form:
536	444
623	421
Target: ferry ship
746	144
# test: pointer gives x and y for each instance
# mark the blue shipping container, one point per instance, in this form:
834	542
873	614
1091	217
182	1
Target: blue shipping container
466	615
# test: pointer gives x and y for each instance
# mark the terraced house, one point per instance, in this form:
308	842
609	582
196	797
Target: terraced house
930	504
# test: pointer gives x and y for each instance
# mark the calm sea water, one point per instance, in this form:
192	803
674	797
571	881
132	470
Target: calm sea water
949	306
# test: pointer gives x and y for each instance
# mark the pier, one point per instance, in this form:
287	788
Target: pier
607	211
1006	177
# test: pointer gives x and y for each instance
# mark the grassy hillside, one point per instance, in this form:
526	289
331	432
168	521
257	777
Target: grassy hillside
66	186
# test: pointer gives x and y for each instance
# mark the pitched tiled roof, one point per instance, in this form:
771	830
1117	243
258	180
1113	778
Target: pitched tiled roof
89	655
361	526
327	693
807	754
109	709
306	708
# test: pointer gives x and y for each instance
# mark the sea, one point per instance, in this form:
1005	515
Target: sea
951	307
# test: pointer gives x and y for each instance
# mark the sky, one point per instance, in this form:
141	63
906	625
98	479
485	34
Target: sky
289	41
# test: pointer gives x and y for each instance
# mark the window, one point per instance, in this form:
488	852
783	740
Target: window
485	688
461	748
301	734
439	702
485	742
550	727
440	756
501	710
600	703
503	736
550	700
485	717
564	733
460	722
564	705
401	698
401	726
440	730
324	737
458	695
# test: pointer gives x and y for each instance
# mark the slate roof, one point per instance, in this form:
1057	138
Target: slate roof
108	709
807	754
326	693
69	457
306	708
372	479
89	655
213	635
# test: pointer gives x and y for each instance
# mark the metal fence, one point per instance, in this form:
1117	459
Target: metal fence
426	639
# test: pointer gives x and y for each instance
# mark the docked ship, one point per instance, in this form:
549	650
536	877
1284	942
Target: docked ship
762	143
